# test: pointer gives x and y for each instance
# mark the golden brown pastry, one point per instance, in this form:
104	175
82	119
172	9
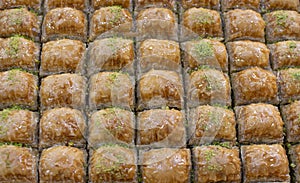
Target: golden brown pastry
209	124
62	126
18	164
265	163
62	164
17	52
18	126
76	4
64	90
208	86
216	164
64	23
113	164
282	25
291	117
62	56
294	152
289	82
247	54
254	85
161	128
156	23
243	25
268	5
143	4
111	89
205	52
96	4
112	19
159	54
18	88
166	165
285	54
110	54
32	4
202	22
209	4
159	88
19	22
111	125
259	123
240	4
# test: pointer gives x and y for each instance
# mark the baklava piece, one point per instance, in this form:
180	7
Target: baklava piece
159	88
159	54
76	4
205	53
143	4
208	86
259	123
18	164
110	20
201	22
156	23
62	56
17	52
19	22
31	4
166	165
289	82
111	126
216	164
18	126
113	164
270	5
110	54
62	23
111	89
161	128
62	164
96	4
209	124
291	118
295	158
209	4
240	4
18	88
247	54
244	24
282	25
64	90
285	54
254	85
62	126
265	163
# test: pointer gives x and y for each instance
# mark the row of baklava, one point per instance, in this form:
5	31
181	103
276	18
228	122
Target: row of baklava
117	54
257	5
155	89
259	163
257	123
152	23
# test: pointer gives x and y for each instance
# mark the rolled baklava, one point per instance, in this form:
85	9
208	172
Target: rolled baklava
208	86
208	124
62	126
289	84
159	88
111	126
291	118
254	85
62	23
18	88
111	89
64	90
